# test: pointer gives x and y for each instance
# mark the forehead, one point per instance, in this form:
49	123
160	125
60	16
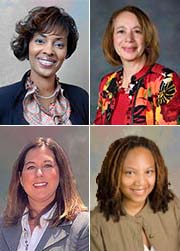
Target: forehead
57	30
126	18
138	154
39	152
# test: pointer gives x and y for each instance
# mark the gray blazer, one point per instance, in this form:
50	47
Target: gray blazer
70	236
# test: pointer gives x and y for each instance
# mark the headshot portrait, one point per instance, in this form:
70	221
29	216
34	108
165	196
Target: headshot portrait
41	81
136	184
134	67
44	200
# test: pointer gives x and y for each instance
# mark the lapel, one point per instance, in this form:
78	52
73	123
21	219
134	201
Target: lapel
53	235
12	235
17	112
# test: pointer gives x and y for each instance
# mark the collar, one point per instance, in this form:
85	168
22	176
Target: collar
43	219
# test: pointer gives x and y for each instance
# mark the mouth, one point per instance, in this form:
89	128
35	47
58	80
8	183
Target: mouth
40	184
139	191
46	62
129	49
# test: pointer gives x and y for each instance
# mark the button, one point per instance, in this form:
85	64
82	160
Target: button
151	236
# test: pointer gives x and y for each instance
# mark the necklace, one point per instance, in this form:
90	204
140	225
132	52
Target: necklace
46	97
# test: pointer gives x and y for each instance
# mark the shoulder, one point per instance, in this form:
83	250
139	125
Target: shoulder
10	89
79	233
74	90
81	223
106	79
97	217
162	70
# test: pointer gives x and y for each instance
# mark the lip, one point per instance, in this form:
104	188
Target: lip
139	191
40	184
46	62
129	49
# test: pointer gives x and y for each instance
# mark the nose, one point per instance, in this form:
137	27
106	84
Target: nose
129	36
140	180
48	49
39	172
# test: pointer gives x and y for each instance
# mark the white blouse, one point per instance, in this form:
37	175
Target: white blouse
147	249
29	241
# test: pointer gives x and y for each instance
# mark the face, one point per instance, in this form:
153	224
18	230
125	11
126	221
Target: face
40	176
47	52
138	176
128	38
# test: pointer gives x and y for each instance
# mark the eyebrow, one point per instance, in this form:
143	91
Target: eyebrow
57	36
33	162
123	26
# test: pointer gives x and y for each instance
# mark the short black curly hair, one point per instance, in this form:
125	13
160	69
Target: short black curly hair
43	19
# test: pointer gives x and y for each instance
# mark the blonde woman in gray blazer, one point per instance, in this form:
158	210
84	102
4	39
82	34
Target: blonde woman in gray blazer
44	210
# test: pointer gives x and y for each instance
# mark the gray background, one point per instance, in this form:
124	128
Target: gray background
166	137
74	140
164	14
75	70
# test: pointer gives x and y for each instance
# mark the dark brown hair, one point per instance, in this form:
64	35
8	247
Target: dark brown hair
46	20
109	194
68	200
149	32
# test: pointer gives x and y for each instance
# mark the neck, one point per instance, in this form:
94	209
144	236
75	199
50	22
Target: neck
37	207
130	69
46	86
133	208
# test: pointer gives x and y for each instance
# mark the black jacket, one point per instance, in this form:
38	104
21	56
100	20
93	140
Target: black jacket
11	103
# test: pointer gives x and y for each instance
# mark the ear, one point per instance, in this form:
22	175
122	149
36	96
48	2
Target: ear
20	179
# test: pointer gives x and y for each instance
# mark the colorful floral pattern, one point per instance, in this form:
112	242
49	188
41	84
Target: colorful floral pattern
155	97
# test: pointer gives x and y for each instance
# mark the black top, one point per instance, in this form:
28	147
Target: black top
12	96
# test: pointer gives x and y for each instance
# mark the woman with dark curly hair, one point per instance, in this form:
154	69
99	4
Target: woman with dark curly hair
46	37
136	210
44	209
141	92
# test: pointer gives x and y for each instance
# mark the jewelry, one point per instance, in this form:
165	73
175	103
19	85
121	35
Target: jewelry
47	97
26	239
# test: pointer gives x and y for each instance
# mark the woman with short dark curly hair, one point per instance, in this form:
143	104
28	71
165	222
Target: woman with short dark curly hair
136	209
44	209
46	37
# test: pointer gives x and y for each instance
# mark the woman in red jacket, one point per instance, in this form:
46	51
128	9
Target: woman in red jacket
141	92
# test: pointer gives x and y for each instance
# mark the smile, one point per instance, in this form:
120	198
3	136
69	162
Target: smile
139	191
46	62
42	184
129	49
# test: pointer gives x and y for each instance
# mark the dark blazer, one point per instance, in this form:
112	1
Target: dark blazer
71	236
11	103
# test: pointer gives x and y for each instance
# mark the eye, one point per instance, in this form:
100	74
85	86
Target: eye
129	173
30	167
120	31
138	31
48	166
59	44
150	172
39	41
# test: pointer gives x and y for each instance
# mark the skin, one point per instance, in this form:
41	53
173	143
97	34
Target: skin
137	179
40	177
47	53
129	44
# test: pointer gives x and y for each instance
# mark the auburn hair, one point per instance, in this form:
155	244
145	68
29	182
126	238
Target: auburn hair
149	32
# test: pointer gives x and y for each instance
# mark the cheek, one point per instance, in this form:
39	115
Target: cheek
54	178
